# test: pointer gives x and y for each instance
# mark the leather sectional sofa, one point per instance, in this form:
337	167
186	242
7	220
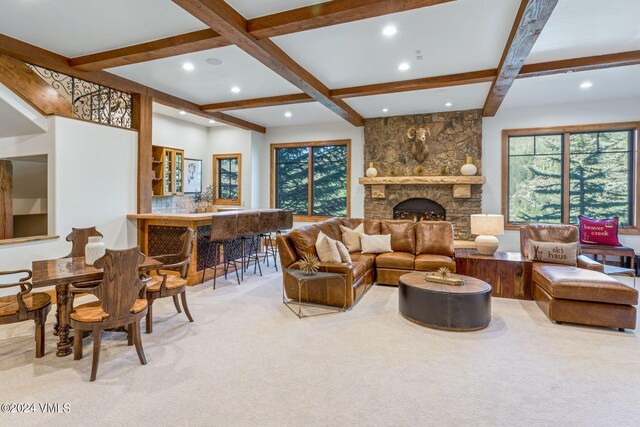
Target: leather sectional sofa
582	294
422	246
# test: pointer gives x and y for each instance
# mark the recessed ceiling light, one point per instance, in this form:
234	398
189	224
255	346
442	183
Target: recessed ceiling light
288	114
182	113
448	104
188	66
384	110
586	85
212	121
235	89
214	61
389	30
404	66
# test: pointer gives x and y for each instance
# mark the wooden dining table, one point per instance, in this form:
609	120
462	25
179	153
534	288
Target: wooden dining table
62	273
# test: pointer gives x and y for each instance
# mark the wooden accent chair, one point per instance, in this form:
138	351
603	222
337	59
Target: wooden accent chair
79	237
170	285
119	304
25	306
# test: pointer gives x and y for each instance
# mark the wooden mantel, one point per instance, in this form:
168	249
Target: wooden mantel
461	184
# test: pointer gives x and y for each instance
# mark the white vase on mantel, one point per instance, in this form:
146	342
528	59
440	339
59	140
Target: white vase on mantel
94	249
371	172
469	169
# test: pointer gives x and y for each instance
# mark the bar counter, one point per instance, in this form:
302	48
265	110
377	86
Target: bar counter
160	233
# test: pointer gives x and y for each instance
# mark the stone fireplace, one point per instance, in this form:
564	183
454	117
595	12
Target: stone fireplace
423	180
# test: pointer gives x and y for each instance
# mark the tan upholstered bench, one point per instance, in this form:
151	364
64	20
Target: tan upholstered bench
575	295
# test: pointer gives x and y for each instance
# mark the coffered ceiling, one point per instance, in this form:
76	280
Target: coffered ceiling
440	38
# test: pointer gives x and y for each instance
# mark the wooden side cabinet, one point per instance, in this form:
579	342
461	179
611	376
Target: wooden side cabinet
508	273
168	171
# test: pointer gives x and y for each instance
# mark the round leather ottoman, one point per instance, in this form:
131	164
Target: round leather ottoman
448	307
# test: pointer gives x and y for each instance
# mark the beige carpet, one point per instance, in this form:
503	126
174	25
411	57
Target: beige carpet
249	361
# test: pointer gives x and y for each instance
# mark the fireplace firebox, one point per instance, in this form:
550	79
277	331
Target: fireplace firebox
419	209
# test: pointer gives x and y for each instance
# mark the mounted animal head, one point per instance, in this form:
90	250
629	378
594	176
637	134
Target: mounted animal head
419	146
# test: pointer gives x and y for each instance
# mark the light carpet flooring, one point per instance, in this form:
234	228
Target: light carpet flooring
248	361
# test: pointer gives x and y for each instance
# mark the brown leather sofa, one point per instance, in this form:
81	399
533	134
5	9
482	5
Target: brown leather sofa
422	246
582	294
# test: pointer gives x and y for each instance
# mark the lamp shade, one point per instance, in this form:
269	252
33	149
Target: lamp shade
487	225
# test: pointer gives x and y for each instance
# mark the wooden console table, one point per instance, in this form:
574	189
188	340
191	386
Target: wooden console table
508	273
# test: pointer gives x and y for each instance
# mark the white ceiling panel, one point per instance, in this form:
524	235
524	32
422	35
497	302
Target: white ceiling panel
255	8
79	27
301	114
611	83
580	28
465	35
209	83
188	117
423	101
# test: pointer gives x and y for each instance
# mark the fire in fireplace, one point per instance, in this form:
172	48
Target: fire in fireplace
420	209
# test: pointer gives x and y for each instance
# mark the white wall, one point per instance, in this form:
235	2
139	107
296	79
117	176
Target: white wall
622	110
190	137
321	132
92	181
229	140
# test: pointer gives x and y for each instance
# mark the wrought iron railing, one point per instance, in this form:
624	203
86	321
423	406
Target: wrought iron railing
90	101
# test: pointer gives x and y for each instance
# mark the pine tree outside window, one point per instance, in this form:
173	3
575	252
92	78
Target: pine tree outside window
311	179
553	175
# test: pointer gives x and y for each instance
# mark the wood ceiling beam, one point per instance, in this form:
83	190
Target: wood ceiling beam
291	21
230	24
530	20
580	64
270	101
47	59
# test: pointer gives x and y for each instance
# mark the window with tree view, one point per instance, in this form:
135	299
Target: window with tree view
555	177
311	179
227	178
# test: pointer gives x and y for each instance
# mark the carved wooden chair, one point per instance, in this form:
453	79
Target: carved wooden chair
119	304
25	306
171	285
79	237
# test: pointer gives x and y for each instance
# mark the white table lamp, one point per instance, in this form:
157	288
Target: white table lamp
487	227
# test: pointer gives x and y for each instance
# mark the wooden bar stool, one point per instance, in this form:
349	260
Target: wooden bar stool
170	285
224	232
25	306
119	304
79	237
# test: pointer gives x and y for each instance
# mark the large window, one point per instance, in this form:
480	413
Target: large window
311	179
227	170
554	175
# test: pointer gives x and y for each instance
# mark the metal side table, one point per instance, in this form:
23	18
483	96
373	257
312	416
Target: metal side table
303	281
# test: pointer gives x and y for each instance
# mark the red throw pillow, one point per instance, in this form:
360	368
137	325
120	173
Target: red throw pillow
599	232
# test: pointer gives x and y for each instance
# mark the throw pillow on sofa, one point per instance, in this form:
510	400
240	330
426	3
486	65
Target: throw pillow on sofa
599	232
375	243
344	252
555	253
327	249
351	238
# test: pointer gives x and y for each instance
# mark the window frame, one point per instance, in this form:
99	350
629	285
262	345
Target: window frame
310	145
216	199
565	132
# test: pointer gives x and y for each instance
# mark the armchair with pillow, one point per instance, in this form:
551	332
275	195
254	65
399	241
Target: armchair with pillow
573	288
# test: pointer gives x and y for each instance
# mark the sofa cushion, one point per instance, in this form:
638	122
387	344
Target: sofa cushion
304	239
402	260
574	283
327	248
553	252
344	252
372	226
429	262
367	259
403	236
351	237
434	237
375	243
331	228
